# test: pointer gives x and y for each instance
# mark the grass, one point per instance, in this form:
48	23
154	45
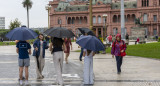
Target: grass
150	50
6	43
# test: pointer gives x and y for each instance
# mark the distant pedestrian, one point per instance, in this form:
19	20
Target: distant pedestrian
23	49
107	39
146	38
118	50
88	66
2	39
110	39
47	40
113	38
57	46
81	54
39	52
68	43
156	37
138	40
127	38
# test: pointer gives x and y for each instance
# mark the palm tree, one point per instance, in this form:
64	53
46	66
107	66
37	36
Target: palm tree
28	5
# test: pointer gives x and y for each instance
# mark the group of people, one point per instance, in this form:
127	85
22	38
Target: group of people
57	47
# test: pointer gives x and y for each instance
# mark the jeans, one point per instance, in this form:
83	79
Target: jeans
119	63
81	54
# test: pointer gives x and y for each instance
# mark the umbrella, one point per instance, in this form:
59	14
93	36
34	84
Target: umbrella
90	43
59	32
86	30
21	33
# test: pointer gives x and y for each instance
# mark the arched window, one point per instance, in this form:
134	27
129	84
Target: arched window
94	19
145	17
142	3
115	31
99	19
73	20
114	18
145	3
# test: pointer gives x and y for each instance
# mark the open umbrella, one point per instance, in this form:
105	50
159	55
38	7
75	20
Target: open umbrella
90	43
21	33
59	32
86	30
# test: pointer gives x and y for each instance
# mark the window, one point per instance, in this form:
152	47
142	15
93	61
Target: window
104	20
145	17
94	19
155	32
73	21
142	3
155	18
80	21
59	21
99	19
147	3
115	31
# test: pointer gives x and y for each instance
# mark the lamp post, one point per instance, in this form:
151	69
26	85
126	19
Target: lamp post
90	14
122	20
48	7
105	21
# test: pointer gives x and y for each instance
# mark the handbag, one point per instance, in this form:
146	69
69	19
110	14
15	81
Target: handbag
123	53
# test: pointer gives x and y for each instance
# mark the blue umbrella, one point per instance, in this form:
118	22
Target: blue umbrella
21	33
90	43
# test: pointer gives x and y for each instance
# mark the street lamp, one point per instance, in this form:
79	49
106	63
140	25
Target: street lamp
105	16
48	7
122	20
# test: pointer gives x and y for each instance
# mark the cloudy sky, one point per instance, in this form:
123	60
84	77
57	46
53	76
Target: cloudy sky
11	9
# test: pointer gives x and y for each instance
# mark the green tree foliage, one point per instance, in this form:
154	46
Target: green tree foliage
28	5
14	24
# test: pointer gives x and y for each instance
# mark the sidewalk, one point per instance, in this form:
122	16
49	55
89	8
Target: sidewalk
136	71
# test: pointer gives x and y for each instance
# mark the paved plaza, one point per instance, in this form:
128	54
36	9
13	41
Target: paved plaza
136	71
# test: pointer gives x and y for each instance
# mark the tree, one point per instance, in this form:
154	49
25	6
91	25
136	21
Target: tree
14	24
37	31
28	5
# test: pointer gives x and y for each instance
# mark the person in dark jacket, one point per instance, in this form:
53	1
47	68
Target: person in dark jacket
39	52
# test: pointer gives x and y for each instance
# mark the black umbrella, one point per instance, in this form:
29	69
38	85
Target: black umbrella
86	30
59	32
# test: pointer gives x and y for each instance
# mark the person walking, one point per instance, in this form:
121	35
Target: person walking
118	50
127	39
23	49
68	43
110	39
57	47
88	66
39	52
81	54
47	40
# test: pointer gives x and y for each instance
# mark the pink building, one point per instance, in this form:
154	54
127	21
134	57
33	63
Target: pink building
75	14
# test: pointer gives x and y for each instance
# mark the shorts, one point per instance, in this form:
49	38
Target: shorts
24	62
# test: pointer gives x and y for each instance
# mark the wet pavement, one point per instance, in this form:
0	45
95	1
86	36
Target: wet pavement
136	71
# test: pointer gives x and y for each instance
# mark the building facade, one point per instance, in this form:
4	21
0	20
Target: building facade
75	14
2	22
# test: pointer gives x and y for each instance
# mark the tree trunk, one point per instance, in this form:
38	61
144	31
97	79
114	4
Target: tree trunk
28	16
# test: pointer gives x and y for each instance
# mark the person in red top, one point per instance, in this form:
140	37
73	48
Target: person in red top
68	43
118	50
110	39
137	40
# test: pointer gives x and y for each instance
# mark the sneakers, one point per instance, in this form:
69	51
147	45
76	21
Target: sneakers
20	82
26	83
